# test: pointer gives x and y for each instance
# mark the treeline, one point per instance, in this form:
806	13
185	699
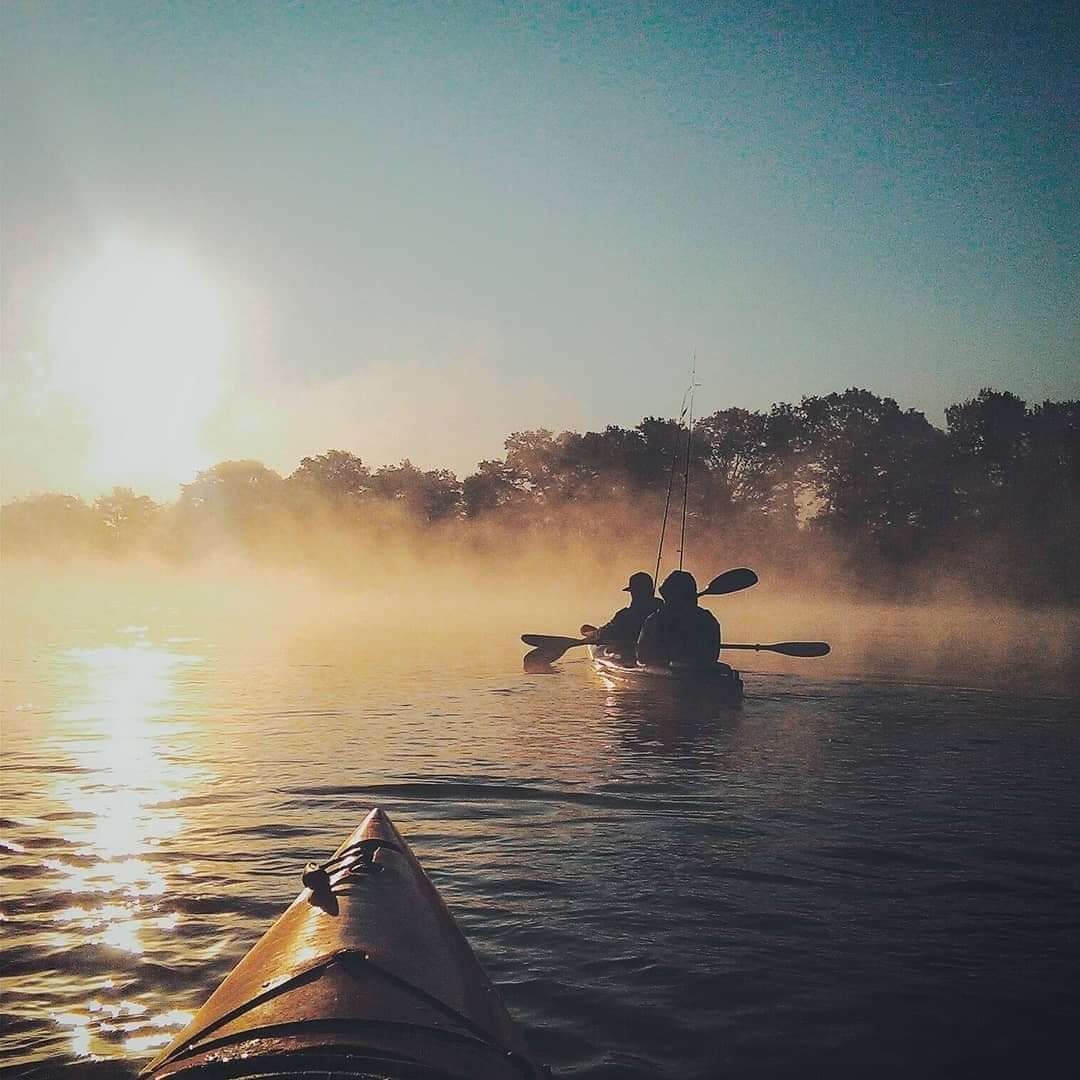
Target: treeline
848	480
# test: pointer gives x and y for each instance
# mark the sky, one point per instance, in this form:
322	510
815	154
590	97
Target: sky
262	230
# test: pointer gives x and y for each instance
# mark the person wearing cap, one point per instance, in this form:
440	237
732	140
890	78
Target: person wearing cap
681	631
621	632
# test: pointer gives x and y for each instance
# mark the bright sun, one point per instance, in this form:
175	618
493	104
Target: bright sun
140	336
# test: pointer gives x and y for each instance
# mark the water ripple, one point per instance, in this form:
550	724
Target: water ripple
837	878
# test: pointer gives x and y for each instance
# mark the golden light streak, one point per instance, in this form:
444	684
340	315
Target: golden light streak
134	767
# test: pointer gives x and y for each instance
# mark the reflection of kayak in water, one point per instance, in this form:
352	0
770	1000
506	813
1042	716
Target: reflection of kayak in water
365	975
715	680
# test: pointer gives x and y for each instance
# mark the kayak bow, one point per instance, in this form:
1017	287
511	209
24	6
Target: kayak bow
366	974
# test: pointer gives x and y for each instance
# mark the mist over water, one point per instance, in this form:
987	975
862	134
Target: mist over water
432	595
873	845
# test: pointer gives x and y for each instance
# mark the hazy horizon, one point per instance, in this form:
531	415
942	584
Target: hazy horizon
265	231
285	466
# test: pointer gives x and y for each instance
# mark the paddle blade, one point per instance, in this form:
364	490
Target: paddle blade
730	581
549	642
800	648
538	662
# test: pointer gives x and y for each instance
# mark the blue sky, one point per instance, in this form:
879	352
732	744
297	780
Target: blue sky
433	224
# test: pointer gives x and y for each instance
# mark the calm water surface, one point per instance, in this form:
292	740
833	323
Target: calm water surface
838	876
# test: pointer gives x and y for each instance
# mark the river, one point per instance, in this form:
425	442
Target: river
844	874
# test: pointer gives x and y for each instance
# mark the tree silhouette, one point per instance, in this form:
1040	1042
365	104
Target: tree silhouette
878	473
49	524
993	499
127	516
337	475
429	496
494	486
233	498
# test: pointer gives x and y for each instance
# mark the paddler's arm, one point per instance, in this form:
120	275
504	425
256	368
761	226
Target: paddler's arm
614	629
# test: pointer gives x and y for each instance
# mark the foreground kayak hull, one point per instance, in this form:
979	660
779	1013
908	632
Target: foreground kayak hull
366	975
718	682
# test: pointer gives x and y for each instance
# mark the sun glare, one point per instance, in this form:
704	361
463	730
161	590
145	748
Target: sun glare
140	337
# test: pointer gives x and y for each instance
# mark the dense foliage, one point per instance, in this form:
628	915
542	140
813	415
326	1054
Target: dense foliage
992	501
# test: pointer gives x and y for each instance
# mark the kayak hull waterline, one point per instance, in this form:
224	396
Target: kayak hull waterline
717	681
366	975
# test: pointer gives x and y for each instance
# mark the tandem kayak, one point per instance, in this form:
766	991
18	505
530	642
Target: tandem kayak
366	974
717	681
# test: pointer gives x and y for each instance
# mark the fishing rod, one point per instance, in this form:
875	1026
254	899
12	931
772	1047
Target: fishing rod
671	479
689	441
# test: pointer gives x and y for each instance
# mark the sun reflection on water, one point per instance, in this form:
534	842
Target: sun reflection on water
133	763
131	754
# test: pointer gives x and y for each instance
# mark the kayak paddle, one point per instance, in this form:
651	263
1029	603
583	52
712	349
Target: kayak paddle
549	641
787	648
556	646
728	582
538	661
